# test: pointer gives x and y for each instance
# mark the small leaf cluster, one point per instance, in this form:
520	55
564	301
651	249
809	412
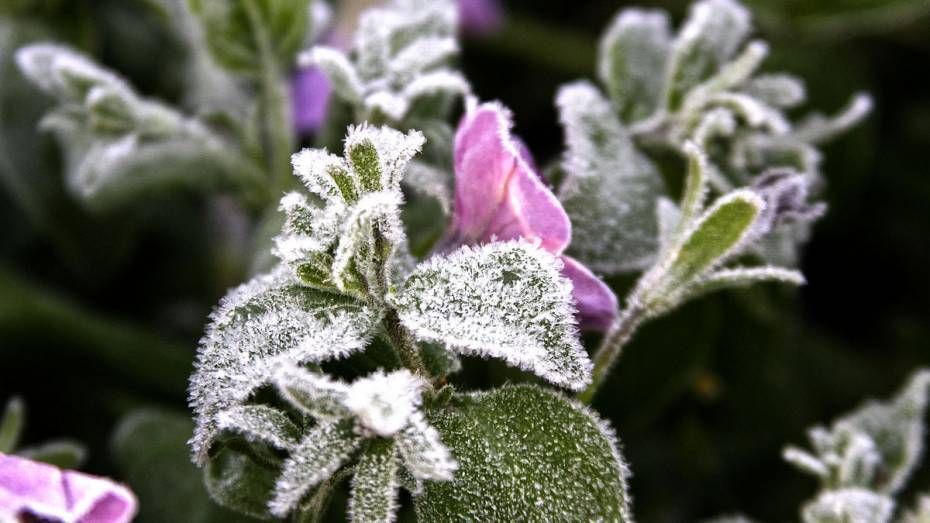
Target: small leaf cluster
276	431
397	69
117	143
864	458
662	91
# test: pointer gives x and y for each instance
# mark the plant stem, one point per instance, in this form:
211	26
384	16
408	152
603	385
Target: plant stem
614	340
403	342
276	104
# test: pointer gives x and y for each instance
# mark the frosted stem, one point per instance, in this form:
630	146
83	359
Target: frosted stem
276	106
403	342
614	341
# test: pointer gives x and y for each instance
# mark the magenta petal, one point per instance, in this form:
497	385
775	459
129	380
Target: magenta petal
480	16
29	487
498	194
484	163
596	303
310	93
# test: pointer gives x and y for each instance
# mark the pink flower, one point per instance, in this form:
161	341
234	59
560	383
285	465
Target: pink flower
310	93
499	196
29	488
480	16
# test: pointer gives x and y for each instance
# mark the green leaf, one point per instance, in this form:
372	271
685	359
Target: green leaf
11	425
710	37
526	454
611	189
375	484
150	448
502	300
236	30
238	483
320	453
62	454
271	321
632	59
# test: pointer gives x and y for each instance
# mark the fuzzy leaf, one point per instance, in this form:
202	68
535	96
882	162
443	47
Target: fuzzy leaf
320	453
269	322
340	72
238	483
375	484
632	59
777	90
425	456
235	30
611	189
710	37
11	425
313	393
501	300
526	454
818	129
260	423
848	506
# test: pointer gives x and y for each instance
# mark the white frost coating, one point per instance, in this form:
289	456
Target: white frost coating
341	73
65	73
375	485
668	216
501	300
314	168
260	423
424	454
396	47
320	453
777	90
817	129
730	76
756	113
259	326
355	242
312	392
384	403
611	188
853	505
877	446
744	276
631	60
395	150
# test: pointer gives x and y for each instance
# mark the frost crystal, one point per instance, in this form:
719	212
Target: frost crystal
503	300
399	58
375	485
269	321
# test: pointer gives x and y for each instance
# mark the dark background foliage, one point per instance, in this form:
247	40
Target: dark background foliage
100	312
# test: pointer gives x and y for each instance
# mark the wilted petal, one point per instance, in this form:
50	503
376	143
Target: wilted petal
596	303
479	16
38	489
497	192
310	94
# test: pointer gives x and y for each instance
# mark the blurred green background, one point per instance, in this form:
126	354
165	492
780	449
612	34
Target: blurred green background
100	313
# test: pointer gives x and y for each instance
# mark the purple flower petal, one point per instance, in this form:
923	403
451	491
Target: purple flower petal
498	194
38	489
596	303
310	94
480	16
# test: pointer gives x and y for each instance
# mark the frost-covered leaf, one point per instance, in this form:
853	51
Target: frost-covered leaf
611	189
375	484
269	322
319	454
238	483
876	447
312	392
719	233
851	505
425	456
777	90
631	61
260	423
11	425
400	55
817	129
117	144
745	276
502	300
526	454
710	37
237	30
379	155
